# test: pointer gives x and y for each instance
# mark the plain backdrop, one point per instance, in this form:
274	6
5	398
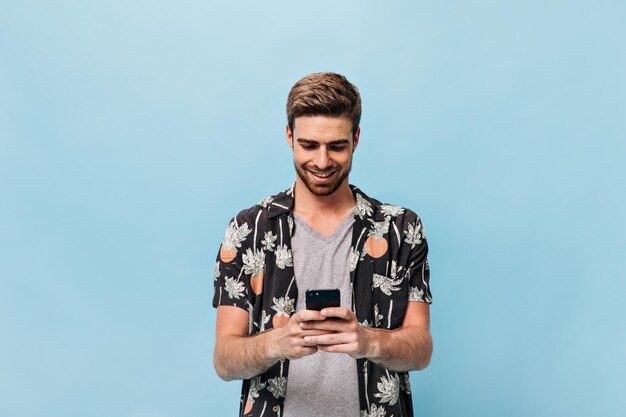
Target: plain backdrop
132	131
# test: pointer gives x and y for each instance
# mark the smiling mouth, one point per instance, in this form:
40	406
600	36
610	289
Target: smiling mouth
322	175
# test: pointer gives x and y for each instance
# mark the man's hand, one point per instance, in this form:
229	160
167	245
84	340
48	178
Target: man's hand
406	348
346	335
240	356
290	341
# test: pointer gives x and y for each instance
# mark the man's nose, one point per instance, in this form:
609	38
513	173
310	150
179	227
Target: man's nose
322	160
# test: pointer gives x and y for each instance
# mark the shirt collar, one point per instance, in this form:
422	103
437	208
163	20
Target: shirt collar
366	207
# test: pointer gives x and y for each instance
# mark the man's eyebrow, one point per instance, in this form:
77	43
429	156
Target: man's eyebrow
313	142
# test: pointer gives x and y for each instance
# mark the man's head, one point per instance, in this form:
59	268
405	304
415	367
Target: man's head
324	94
323	112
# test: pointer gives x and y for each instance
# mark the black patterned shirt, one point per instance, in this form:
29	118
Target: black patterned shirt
388	268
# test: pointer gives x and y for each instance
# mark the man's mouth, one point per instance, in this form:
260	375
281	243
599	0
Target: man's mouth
322	175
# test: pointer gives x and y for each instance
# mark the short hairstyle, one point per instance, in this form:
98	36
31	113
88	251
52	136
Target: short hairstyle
324	93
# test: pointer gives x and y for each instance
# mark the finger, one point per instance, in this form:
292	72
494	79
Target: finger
327	339
348	348
306	315
341	312
309	315
306	333
329	325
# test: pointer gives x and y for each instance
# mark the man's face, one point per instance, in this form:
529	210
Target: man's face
322	151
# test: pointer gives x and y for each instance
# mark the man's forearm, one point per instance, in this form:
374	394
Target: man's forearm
243	357
406	349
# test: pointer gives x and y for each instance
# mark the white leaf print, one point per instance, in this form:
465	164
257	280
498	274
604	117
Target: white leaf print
283	306
216	270
264	319
386	284
277	386
253	261
250	317
405	384
414	234
415	294
268	241
290	224
255	386
392	211
388	389
378	318
283	257
363	207
374	411
234	235
234	288
379	228
266	201
353	258
395	271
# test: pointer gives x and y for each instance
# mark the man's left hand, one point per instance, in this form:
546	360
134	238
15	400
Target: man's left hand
349	335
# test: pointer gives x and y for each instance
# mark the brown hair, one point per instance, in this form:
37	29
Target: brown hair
324	93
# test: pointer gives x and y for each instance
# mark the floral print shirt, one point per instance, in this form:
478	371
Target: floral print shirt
388	268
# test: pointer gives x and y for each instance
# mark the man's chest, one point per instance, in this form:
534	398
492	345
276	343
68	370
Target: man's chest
322	261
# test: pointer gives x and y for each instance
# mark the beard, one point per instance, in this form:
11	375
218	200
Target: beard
323	189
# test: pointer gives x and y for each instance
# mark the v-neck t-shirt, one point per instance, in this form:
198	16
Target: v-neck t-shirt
324	383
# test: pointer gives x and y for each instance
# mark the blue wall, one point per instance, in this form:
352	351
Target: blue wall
131	133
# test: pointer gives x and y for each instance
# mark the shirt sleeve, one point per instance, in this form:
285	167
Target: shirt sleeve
418	268
233	268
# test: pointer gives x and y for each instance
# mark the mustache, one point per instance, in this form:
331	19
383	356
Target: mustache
322	171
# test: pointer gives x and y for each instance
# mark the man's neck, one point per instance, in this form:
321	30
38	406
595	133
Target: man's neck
323	213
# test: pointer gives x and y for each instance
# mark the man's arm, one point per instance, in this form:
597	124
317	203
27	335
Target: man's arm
240	356
404	349
236	355
408	348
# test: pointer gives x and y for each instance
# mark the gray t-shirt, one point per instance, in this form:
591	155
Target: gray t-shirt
322	384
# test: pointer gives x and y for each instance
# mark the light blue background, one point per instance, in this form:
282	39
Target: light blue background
130	132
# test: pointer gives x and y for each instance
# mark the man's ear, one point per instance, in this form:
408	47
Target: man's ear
289	135
355	138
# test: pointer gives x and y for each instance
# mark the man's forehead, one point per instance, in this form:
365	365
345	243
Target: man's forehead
322	122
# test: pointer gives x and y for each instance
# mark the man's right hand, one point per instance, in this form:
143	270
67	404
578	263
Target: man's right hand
238	355
288	341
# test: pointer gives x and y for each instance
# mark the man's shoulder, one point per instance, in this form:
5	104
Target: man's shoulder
381	211
398	213
269	206
398	224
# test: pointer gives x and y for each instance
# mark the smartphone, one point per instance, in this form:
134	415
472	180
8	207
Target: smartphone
319	299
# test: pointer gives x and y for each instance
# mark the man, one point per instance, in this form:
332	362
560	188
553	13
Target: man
323	232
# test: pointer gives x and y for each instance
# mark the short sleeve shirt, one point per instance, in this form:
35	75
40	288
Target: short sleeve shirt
388	268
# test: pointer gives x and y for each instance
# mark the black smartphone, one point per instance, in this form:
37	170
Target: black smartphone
319	299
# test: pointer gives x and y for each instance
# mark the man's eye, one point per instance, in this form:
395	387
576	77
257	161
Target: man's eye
337	148
308	146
